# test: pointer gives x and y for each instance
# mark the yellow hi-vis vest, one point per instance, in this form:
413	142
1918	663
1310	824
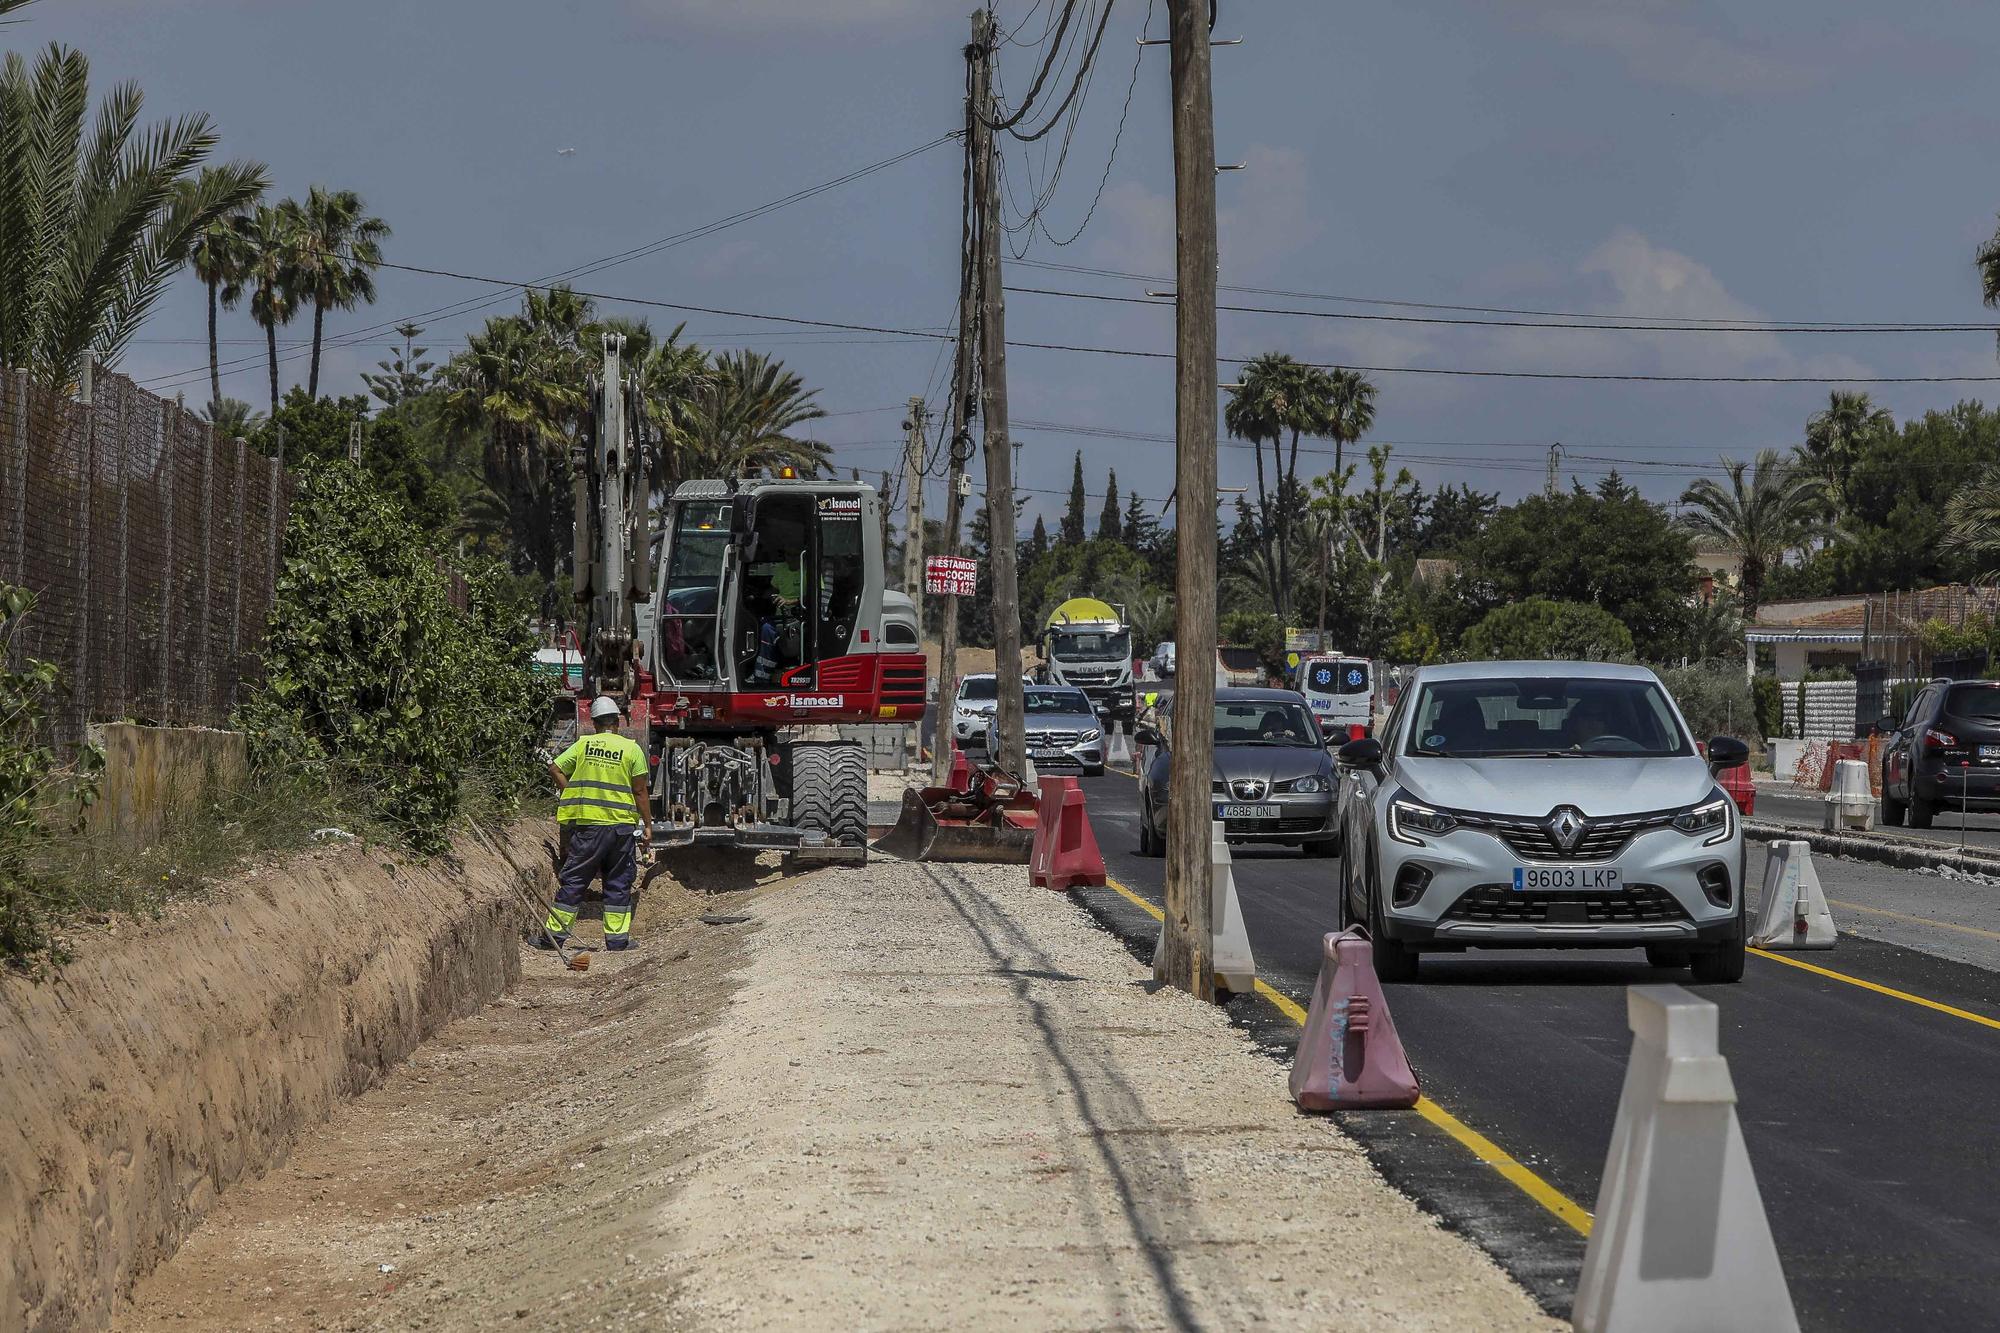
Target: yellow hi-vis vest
600	769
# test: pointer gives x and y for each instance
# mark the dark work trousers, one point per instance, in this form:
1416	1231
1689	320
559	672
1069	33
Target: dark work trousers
607	850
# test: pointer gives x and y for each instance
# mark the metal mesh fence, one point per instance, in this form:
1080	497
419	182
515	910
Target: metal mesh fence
150	545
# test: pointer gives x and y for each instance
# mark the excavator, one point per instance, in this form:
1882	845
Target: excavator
740	632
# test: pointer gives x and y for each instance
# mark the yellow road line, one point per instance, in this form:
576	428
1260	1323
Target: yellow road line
1889	991
1485	1149
1917	920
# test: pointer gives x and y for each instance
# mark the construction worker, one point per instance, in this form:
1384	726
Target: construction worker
602	804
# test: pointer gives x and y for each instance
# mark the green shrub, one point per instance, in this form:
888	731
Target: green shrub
1769	702
1538	628
373	681
1715	699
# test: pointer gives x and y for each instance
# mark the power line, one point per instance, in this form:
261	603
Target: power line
1168	304
453	309
1776	325
1131	353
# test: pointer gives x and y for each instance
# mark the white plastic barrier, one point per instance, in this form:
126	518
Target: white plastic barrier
1850	803
1792	913
1680	1242
1234	966
1121	748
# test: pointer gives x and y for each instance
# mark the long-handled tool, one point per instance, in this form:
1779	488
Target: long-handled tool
577	961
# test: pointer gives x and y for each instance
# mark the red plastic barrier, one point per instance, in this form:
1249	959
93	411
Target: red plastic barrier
1356	732
960	779
1349	1055
1065	854
1742	790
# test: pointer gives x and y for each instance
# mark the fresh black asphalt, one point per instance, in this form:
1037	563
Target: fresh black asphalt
1873	1124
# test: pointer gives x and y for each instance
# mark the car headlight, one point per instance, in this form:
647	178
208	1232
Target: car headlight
1407	817
1307	785
1712	820
1092	734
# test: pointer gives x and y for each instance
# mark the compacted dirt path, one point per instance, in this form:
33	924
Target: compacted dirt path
909	1097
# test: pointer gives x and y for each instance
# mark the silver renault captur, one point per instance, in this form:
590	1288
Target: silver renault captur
1542	804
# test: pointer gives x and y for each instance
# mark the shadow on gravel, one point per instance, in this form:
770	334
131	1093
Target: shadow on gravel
1104	1094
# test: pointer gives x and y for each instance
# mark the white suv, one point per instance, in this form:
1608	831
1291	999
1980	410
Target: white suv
972	708
1542	804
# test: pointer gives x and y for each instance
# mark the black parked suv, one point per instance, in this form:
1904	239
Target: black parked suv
1945	754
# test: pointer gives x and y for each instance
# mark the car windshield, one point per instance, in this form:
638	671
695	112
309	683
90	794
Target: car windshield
1264	722
1980	701
1054	701
979	687
1514	716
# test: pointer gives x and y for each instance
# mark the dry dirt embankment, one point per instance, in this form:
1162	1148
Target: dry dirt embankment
176	1058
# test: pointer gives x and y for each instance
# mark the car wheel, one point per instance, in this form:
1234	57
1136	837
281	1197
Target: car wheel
1094	771
1661	955
1920	813
1324	849
1394	960
1149	842
1722	964
1889	810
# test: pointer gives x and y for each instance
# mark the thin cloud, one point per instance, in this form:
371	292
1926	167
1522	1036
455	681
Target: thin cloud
773	16
1678	45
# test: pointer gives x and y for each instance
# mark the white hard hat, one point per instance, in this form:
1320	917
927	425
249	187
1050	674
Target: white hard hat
605	706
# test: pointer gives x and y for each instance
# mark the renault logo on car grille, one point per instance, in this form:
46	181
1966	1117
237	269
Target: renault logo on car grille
1249	789
1565	827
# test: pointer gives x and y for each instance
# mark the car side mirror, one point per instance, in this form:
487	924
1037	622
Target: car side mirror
1146	735
1726	752
1364	753
1889	724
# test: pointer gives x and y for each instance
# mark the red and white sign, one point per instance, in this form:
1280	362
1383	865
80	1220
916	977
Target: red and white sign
950	576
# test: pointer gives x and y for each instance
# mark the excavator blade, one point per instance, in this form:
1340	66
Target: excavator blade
948	827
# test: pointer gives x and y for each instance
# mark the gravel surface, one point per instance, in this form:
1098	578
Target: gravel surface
908	1097
943	1098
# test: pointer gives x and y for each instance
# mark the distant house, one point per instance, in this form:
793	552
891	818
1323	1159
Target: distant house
1715	568
1808	634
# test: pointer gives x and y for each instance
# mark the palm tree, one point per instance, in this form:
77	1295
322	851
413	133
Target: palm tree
1350	411
1770	507
338	248
219	258
744	420
90	233
1972	518
672	378
268	269
232	418
1279	395
1835	438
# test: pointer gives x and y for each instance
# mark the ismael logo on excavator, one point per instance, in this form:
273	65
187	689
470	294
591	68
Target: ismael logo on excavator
756	597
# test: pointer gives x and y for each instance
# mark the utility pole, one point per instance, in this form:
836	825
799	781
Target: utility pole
1000	515
913	490
1555	461
1186	946
955	478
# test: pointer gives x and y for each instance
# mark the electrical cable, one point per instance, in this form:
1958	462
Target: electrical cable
1776	325
1868	329
1041	76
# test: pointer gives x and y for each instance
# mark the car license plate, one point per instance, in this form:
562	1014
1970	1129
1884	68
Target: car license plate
1246	812
1047	754
1598	878
1989	752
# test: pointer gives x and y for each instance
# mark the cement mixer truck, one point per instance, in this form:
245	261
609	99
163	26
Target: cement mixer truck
1086	643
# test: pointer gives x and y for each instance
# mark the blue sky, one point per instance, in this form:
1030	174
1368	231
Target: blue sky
1793	159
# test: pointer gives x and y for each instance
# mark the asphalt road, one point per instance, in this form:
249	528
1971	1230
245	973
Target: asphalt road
1950	829
1870	1120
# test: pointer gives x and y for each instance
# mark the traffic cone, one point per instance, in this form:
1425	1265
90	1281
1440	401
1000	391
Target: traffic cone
1792	913
1349	1055
1233	965
1680	1240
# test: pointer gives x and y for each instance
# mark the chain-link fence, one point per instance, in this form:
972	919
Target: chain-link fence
150	545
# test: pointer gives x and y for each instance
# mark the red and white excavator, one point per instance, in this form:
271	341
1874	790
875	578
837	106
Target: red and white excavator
739	637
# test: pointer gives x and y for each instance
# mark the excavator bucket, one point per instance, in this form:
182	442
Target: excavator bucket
939	824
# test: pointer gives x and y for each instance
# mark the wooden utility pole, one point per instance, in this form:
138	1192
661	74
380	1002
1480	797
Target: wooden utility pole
1000	515
913	492
954	495
1185	955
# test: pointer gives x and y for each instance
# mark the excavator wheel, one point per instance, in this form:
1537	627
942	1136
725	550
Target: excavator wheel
830	795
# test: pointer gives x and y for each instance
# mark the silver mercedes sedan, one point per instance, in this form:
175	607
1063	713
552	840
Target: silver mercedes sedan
1542	804
1273	780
